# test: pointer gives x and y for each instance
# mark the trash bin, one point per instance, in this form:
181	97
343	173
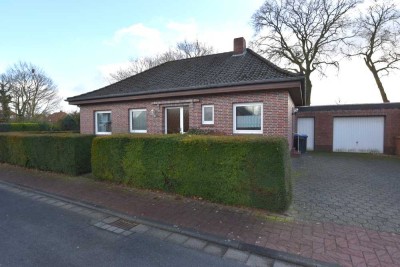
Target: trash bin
300	142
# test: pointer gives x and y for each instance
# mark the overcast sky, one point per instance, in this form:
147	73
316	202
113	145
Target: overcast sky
78	43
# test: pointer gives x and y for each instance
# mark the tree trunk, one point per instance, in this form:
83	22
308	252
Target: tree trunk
4	102
308	88
372	68
380	87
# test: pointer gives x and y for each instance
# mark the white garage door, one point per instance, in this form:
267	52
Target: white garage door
358	134
306	126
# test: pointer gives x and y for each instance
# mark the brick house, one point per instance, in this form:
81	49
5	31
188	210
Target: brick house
237	92
56	116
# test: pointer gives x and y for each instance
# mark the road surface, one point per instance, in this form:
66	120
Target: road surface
33	233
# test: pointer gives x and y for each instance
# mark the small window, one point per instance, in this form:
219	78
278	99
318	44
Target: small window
103	122
138	121
247	118
208	114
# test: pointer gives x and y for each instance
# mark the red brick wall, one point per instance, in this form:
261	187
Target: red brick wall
276	105
291	121
323	125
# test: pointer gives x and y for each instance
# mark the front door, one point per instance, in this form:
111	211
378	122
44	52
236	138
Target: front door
176	120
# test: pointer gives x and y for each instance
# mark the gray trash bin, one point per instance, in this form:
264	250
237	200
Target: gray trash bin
300	142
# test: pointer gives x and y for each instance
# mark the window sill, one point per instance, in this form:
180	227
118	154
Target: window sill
247	132
138	131
103	133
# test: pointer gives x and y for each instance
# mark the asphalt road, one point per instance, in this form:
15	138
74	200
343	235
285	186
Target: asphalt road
34	233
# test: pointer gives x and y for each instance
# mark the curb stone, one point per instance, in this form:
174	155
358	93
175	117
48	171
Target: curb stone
143	225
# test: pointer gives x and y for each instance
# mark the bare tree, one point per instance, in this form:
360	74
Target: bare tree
32	91
136	65
304	34
193	49
184	49
5	98
378	40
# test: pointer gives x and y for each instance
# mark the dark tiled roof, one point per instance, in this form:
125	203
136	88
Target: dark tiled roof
224	69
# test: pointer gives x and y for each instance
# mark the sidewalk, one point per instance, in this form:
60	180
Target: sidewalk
328	242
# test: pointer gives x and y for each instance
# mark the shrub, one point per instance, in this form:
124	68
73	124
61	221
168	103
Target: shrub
44	126
71	122
249	171
197	131
5	127
24	127
66	153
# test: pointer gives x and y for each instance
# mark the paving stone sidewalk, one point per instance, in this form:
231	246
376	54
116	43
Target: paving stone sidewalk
352	189
325	241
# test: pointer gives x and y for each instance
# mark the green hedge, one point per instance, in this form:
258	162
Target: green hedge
248	171
66	153
24	127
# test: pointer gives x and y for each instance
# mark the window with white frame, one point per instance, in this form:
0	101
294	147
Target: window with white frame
208	114
248	118
138	121
103	122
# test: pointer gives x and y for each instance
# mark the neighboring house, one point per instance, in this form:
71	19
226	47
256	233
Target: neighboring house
233	93
56	116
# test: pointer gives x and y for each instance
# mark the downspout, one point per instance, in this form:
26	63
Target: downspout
294	112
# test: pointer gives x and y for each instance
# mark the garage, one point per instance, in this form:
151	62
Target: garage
306	126
369	128
358	134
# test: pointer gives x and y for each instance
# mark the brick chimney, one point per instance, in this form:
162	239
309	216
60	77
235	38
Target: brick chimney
239	46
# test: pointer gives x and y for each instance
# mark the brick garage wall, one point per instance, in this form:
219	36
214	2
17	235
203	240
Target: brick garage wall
323	122
276	106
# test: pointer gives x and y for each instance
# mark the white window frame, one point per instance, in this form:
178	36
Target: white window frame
130	120
247	131
95	123
202	114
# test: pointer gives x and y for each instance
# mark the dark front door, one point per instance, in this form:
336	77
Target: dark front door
176	120
173	120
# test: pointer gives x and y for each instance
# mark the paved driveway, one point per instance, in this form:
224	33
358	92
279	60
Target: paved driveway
355	189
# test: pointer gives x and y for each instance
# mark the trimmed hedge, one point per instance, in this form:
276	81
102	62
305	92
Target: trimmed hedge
24	127
66	153
247	171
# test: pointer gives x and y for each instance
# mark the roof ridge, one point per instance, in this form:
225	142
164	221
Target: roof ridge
190	58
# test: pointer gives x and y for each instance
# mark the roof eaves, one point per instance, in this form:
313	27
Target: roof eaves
171	90
364	106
